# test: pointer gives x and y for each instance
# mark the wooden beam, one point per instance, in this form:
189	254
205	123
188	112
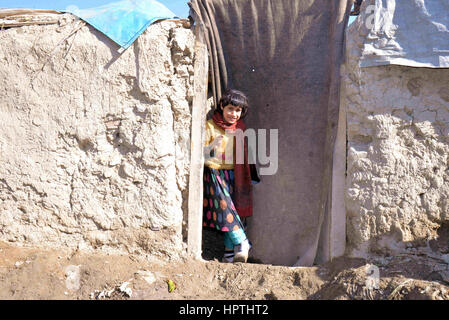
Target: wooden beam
195	199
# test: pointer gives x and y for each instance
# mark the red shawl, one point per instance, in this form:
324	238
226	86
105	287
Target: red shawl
243	199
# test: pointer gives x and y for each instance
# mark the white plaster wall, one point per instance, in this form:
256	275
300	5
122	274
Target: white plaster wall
94	145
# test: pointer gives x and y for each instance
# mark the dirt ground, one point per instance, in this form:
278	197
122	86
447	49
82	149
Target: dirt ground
36	273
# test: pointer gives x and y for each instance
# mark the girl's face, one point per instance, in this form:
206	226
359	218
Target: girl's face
231	114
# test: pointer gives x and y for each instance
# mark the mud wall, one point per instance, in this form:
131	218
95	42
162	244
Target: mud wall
95	148
94	144
397	184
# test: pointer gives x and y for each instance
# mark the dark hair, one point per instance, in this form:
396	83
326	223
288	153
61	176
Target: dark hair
236	98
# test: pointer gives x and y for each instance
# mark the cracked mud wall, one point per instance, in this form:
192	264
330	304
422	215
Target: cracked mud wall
95	144
397	184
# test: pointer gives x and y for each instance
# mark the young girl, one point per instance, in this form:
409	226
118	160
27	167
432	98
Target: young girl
227	184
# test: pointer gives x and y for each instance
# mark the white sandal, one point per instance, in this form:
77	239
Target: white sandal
241	251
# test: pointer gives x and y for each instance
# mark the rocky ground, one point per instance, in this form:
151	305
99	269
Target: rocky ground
36	273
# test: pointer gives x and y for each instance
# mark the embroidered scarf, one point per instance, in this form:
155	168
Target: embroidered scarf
243	199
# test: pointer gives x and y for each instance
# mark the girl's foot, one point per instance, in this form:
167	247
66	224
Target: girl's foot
241	251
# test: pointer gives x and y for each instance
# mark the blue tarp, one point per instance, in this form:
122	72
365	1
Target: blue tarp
123	21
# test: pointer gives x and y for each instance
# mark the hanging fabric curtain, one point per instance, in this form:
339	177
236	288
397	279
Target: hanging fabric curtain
285	55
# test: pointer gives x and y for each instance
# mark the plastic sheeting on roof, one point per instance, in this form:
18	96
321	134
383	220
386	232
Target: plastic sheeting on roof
406	32
125	20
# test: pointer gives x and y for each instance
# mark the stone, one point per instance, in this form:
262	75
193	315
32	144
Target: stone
72	274
146	275
125	289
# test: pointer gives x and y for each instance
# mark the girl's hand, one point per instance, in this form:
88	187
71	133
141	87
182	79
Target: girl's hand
209	151
217	142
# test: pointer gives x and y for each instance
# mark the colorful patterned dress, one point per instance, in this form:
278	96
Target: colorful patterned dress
218	208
